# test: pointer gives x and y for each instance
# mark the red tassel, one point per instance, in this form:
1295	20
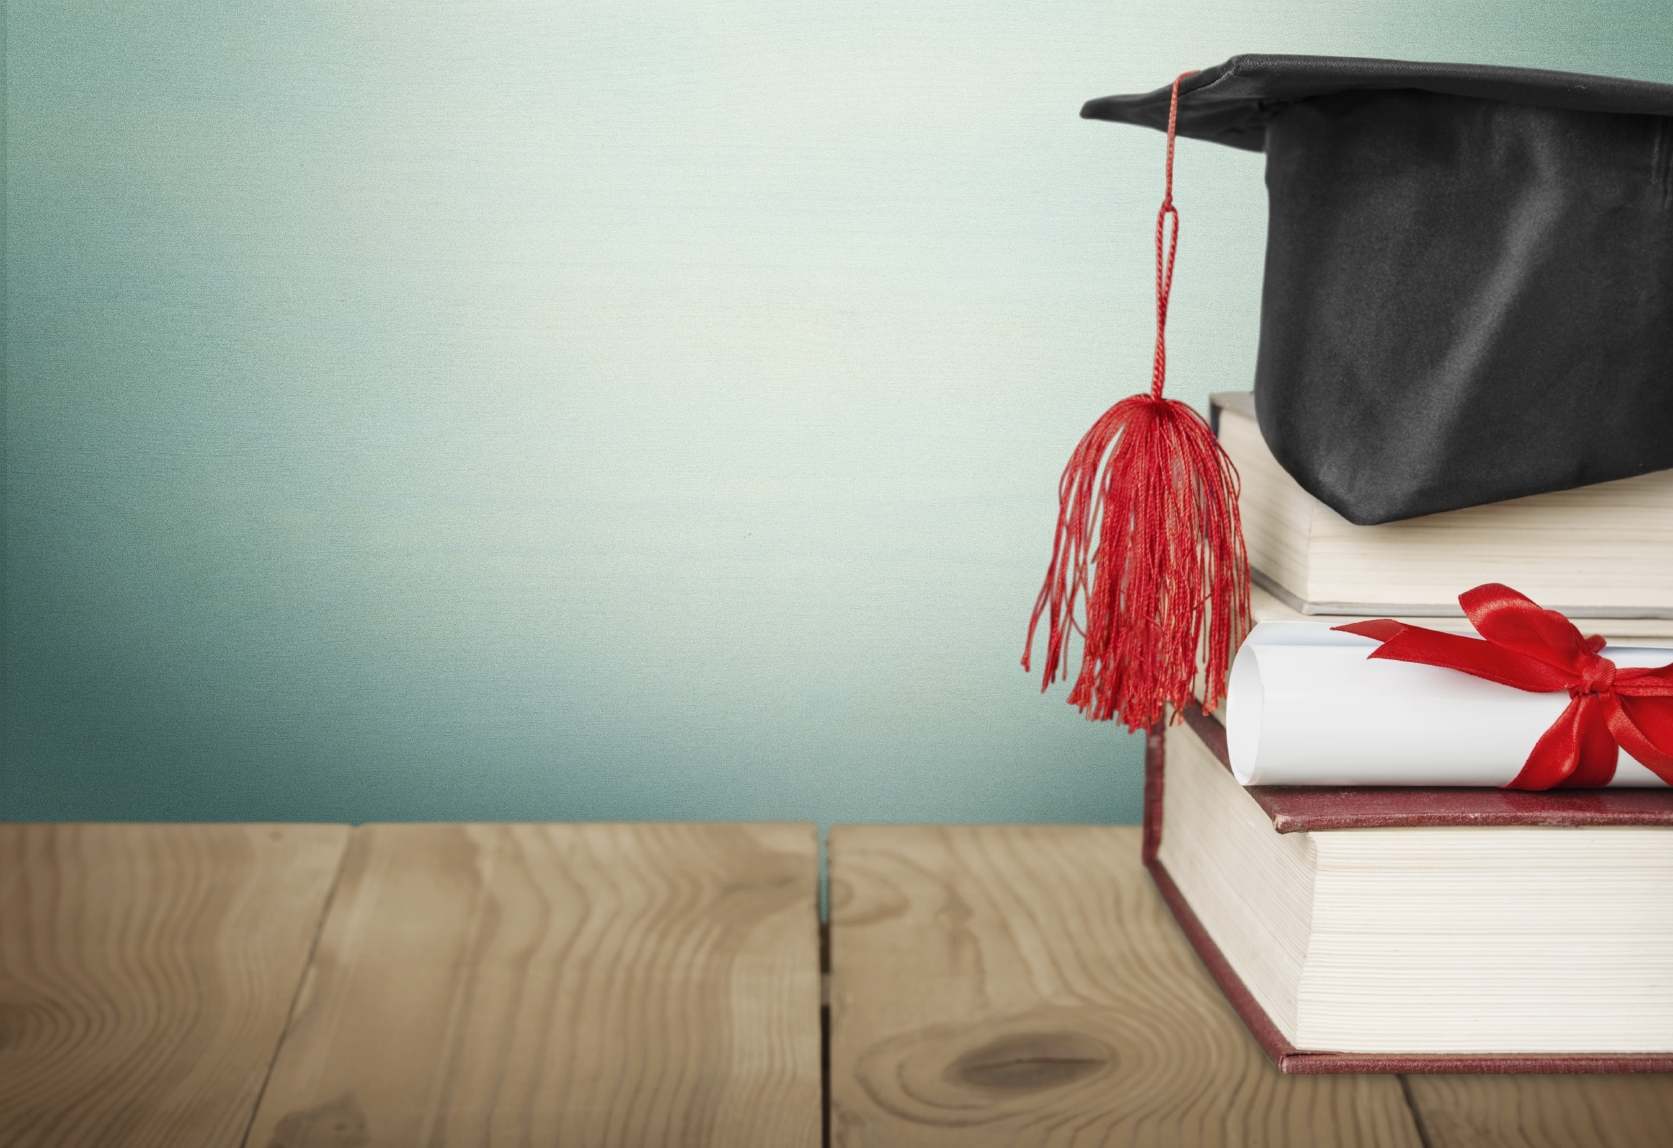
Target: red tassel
1167	557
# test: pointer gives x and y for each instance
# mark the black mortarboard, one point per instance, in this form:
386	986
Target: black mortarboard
1469	273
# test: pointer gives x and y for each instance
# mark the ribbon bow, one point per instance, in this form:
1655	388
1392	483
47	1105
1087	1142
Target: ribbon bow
1611	709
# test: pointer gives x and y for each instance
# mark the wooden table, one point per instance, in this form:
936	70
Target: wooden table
313	986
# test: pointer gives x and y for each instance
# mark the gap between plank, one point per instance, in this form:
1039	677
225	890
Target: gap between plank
302	979
825	1034
1417	1113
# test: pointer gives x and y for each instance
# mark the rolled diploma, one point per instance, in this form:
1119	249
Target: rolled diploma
1306	705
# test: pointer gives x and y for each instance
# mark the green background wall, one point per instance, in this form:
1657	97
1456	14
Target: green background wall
600	410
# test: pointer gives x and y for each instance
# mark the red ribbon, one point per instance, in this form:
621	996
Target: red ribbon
1540	651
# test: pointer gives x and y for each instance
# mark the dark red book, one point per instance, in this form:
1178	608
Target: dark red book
1310	809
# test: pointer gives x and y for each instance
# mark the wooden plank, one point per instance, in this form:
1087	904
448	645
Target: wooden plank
145	975
591	985
1025	985
1544	1111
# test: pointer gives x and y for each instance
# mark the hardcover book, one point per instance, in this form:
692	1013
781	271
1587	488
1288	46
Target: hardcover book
1401	929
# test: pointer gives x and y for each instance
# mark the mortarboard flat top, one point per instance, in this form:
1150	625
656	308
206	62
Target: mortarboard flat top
1231	103
1468	291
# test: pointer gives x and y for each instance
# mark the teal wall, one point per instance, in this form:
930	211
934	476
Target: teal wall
600	410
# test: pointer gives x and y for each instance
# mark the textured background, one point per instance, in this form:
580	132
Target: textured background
600	410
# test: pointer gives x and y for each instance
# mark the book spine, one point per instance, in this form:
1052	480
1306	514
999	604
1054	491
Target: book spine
1155	751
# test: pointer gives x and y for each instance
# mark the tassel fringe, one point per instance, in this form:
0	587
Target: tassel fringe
1153	547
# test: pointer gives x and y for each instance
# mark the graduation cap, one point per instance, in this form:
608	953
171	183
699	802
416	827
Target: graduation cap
1468	298
1469	273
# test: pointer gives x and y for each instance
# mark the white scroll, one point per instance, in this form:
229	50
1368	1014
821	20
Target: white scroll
1305	705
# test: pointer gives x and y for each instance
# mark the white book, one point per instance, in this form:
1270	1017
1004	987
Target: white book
1598	552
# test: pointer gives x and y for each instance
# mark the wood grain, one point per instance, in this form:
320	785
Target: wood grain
1544	1111
1024	985
145	975
583	985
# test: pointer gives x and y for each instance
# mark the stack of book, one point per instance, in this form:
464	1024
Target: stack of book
1407	929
